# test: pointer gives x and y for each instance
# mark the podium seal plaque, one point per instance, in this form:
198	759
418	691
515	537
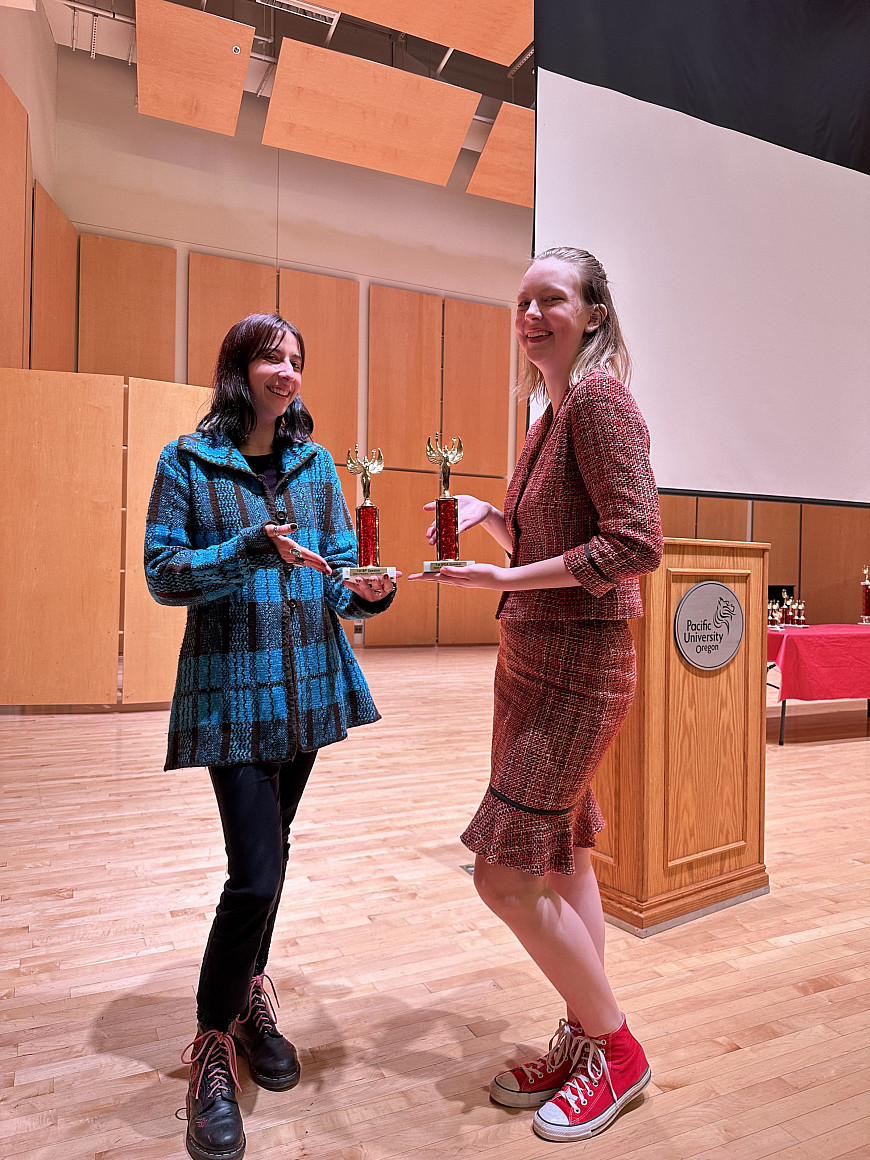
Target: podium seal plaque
708	625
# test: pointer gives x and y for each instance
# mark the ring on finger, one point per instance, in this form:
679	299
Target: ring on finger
297	556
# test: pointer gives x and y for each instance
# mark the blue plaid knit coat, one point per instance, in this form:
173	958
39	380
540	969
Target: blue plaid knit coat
265	668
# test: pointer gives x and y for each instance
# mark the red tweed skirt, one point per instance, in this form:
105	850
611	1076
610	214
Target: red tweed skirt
562	691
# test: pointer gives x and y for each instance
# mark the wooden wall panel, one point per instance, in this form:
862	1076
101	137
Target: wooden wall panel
722	518
15	201
158	413
400	497
60	542
835	546
328	104
476	384
679	513
221	291
54	272
404	374
126	308
779	524
467	616
506	169
326	311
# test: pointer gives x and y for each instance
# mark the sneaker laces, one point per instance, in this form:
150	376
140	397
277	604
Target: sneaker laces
591	1064
215	1052
557	1052
260	1007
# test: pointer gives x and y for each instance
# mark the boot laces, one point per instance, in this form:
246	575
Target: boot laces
260	1007
591	1064
557	1052
215	1052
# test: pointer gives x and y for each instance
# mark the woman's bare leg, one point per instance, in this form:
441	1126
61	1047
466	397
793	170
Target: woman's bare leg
580	891
554	932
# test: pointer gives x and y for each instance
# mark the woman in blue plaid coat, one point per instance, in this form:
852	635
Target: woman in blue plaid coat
247	527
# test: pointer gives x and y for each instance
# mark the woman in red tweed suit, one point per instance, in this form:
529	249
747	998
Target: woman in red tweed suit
581	523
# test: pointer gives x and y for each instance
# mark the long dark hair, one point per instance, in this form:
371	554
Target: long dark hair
231	412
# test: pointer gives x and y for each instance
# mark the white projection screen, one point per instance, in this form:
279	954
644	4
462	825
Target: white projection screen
741	272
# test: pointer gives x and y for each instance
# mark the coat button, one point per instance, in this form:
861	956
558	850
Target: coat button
281	517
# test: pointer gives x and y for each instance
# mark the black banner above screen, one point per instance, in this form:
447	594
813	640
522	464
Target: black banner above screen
795	73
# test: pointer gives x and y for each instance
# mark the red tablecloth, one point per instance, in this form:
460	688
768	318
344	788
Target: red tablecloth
822	662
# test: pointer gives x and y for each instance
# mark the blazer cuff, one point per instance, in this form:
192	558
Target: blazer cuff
579	563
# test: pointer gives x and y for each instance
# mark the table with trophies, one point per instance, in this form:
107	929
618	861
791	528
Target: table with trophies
820	662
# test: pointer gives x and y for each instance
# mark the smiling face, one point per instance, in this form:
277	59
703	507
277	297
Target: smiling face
275	378
552	321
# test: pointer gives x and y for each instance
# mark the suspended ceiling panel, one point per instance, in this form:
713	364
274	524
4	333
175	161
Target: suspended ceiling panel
506	169
330	105
191	65
496	30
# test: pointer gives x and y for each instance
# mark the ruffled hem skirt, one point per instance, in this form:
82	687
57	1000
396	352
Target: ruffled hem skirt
562	691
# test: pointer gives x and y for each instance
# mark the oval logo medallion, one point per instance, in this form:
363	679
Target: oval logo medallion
708	625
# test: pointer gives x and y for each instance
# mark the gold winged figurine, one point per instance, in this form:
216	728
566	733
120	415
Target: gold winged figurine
446	457
366	468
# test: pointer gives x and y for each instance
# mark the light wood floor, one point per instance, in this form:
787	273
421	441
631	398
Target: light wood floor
401	992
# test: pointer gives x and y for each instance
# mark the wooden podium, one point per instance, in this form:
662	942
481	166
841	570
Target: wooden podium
682	787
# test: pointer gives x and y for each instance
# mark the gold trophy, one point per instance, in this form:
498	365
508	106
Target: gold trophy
865	596
367	517
446	507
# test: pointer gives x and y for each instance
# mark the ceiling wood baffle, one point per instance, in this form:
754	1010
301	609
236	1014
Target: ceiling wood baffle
506	169
343	108
497	30
191	65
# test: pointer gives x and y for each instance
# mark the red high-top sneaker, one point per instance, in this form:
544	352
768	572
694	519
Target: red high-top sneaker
608	1073
532	1084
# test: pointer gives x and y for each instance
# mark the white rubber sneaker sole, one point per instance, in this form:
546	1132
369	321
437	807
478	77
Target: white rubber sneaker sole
551	1131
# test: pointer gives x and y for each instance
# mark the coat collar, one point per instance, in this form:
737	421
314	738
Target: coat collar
221	451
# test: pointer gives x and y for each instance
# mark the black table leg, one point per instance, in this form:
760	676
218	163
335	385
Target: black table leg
782	724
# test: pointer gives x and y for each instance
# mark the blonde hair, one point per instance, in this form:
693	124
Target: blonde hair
603	347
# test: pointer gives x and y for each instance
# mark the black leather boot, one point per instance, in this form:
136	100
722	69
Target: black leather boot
214	1122
272	1059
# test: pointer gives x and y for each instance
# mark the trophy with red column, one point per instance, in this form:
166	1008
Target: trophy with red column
446	507
367	528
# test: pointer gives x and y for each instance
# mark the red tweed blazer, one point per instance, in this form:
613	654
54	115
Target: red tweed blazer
584	489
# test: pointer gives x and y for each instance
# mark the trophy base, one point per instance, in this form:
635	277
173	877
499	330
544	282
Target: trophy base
864	620
437	565
370	570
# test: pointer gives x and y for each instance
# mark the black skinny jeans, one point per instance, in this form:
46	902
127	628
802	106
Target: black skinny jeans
257	803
